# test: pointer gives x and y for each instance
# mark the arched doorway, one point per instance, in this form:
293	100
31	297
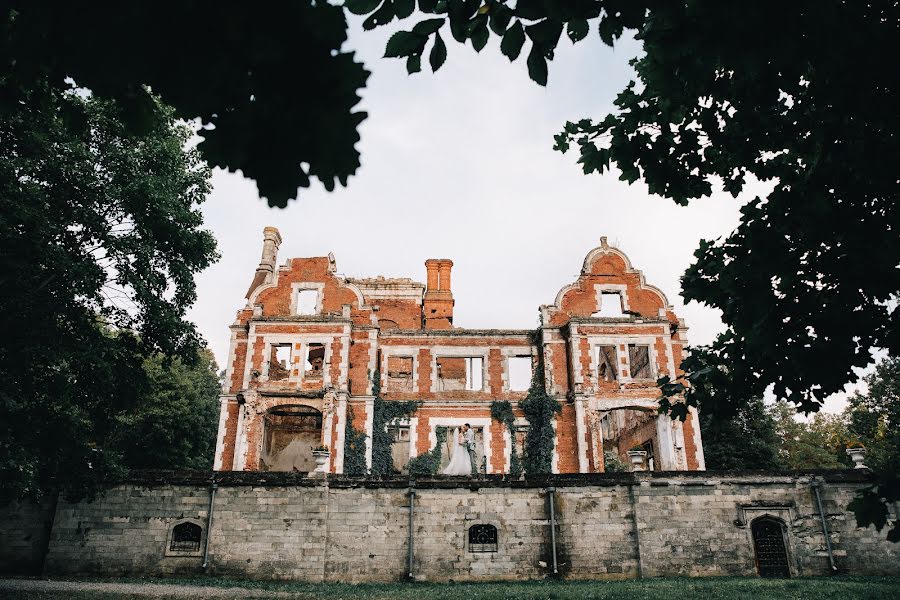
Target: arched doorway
289	435
769	547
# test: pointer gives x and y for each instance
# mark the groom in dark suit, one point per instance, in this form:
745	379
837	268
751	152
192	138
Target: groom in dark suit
469	440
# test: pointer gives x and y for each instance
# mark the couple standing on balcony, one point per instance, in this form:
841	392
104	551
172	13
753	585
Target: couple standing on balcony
462	461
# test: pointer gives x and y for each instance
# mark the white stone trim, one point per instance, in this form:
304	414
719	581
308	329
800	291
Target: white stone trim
581	433
399	352
616	288
307	285
460	352
232	357
341	431
484	423
698	438
304	340
508	352
220	436
370	418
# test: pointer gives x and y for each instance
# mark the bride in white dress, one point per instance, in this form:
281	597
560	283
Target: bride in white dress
459	459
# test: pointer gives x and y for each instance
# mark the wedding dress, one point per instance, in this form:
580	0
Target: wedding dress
459	460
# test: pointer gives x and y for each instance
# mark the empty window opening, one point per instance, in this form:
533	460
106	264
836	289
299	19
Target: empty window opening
769	547
606	363
290	433
315	361
186	537
460	373
399	446
623	429
650	458
400	374
639	358
610	305
307	302
280	362
482	538
519	370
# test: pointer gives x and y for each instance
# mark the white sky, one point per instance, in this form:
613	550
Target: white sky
460	165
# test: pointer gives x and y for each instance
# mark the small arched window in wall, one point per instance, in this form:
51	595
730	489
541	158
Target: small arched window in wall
769	547
185	539
482	538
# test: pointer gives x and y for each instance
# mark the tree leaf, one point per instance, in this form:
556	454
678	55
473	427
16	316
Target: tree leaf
512	42
382	16
428	6
545	33
414	64
361	7
479	35
404	8
537	66
404	43
500	16
577	29
428	26
438	53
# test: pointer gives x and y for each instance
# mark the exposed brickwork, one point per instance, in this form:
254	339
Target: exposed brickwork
290	356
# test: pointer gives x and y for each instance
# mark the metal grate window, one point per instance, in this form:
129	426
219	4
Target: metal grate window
482	538
771	554
186	538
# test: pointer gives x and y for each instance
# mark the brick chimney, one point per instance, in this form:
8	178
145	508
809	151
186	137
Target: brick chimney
438	304
266	270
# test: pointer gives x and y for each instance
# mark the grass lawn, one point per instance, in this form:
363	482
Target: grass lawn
833	588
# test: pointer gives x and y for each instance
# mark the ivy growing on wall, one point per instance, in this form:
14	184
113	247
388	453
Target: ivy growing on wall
540	409
501	410
354	447
384	413
428	463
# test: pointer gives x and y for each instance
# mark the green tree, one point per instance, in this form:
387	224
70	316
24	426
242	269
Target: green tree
817	444
269	80
747	440
875	421
173	424
100	237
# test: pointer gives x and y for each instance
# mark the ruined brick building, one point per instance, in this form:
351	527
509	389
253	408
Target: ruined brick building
308	343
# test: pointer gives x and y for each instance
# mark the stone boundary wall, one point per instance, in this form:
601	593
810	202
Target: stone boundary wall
287	526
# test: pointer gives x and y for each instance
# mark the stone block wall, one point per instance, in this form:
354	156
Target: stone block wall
286	526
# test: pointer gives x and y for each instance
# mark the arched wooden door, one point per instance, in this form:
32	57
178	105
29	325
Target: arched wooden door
768	544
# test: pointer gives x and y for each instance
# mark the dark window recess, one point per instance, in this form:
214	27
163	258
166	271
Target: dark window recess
315	359
639	357
771	554
607	363
651	460
280	362
482	538
186	538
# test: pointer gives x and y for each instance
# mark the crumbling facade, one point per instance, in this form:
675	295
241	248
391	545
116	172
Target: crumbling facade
306	349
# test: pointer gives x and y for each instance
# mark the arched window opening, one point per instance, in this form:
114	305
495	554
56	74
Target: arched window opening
482	538
186	537
770	549
289	435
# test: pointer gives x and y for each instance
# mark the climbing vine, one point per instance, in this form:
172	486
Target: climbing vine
501	410
428	463
384	413
354	447
540	409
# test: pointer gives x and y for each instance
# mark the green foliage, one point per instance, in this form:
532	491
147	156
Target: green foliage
874	420
271	82
540	411
354	448
501	411
384	413
428	463
100	238
748	440
174	422
818	444
613	464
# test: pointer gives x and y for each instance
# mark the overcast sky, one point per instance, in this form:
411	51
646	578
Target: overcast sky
460	165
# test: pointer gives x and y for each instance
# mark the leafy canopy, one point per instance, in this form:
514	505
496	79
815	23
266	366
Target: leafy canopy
101	237
269	81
